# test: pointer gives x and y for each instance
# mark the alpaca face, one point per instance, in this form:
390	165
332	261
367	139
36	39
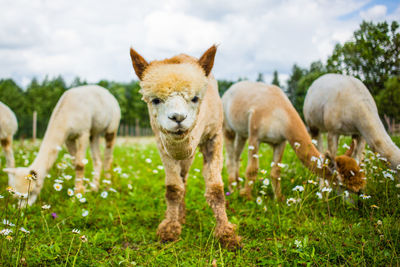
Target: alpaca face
177	114
17	179
350	173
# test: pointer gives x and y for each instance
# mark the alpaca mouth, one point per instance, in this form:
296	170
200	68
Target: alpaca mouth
179	132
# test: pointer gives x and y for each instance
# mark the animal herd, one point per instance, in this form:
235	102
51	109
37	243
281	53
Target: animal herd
187	113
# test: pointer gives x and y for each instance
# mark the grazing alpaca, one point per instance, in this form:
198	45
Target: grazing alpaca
263	113
8	127
340	104
186	112
81	114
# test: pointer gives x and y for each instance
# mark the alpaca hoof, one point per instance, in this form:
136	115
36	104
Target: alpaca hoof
246	193
226	234
169	230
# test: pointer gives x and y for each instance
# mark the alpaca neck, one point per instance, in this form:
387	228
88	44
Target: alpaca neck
372	129
53	139
178	149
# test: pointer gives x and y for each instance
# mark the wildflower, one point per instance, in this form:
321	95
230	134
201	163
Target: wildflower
228	193
57	187
9	238
61	166
346	193
388	175
67	177
379	222
255	156
6	231
326	189
11	190
58	148
76	231
265	208
58	181
21	195
281	165
263	171
240	179
22	229
130	186
85	213
315	142
104	194
148	160
319	195
262	192
117	169
112	190
250	182
124	175
398	167
298	243
155	171
272	164
259	200
363	196
78	195
30	177
398	185
298	188
83	238
196	170
85	161
314	158
292	200
234	184
266	182
70	192
82	200
346	146
1	196
54	215
106	181
312	182
8	223
86	179
296	145
46	207
251	147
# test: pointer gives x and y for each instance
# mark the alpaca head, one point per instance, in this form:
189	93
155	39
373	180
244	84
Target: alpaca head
174	89
348	171
18	179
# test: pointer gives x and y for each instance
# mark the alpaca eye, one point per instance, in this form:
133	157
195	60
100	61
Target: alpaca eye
156	101
195	99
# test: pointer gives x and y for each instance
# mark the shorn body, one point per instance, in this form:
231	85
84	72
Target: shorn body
185	113
8	127
80	117
263	114
342	105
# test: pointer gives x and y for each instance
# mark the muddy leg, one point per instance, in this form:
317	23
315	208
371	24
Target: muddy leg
108	152
212	155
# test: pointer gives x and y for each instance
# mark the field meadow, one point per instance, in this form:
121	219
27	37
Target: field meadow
117	225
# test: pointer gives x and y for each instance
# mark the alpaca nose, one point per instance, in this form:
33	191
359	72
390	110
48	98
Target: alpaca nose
177	117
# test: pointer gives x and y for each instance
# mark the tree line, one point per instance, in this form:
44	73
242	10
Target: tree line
372	55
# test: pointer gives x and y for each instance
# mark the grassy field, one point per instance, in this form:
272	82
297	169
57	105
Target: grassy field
117	225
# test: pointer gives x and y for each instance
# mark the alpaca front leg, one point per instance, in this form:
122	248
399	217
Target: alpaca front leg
276	170
81	146
225	232
170	228
252	167
96	158
333	143
108	152
8	151
360	147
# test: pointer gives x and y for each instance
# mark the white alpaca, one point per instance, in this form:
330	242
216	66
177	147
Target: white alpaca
263	113
340	104
185	113
82	114
8	127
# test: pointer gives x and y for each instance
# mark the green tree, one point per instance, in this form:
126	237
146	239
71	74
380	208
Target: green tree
292	83
388	100
275	79
260	77
373	55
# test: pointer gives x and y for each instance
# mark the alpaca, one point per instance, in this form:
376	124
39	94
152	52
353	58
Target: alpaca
185	113
263	113
82	114
8	127
340	104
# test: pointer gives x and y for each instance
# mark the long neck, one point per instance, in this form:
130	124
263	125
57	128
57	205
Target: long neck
372	129
53	139
300	140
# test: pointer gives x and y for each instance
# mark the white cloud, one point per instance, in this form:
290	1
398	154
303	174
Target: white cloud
91	39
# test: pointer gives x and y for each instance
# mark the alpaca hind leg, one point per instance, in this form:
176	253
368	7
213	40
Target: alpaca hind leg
358	152
96	158
252	166
333	143
108	152
224	231
81	146
229	139
276	170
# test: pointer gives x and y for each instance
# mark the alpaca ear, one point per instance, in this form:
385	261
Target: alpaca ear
353	144
34	174
10	170
206	61
139	63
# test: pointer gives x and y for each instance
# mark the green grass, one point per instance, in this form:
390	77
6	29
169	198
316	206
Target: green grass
121	228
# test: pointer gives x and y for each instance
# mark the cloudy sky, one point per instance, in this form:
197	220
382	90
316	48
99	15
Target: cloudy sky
91	39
